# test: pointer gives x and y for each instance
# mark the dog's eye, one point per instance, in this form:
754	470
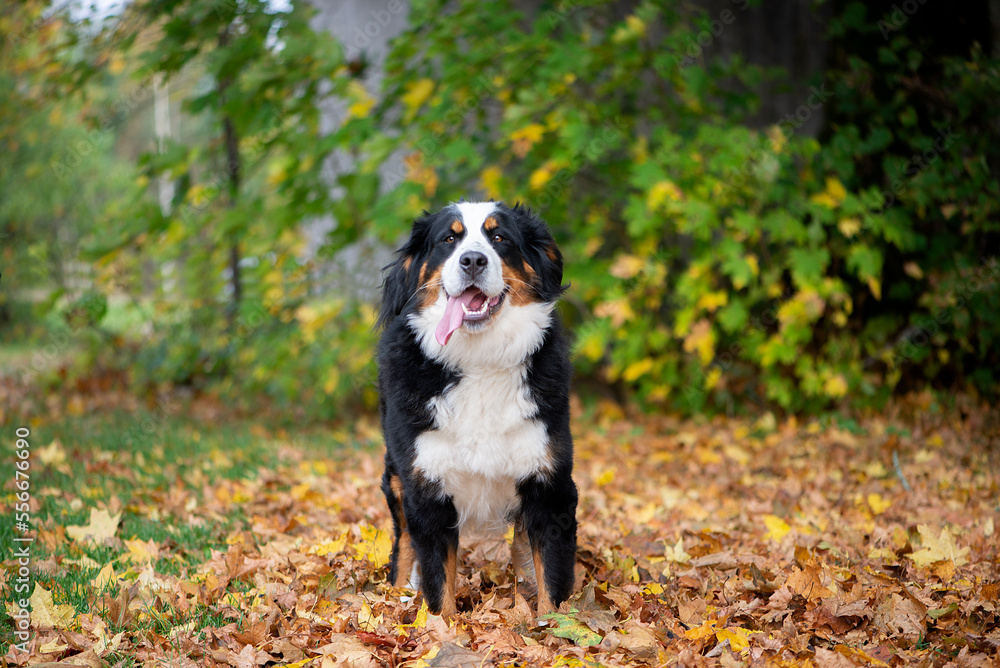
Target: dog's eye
450	239
497	238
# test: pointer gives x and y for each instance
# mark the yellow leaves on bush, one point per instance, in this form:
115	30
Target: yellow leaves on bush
489	179
875	285
626	266
361	101
619	310
637	370
701	340
524	138
832	196
661	192
541	176
913	270
633	28
835	386
417	92
420	173
710	301
849	226
805	307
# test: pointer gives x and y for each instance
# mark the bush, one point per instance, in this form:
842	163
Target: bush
713	263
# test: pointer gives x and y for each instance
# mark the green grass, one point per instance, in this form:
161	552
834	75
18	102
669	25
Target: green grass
132	460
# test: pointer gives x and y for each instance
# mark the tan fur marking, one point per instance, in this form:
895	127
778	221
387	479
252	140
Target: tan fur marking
490	224
550	251
520	553
448	607
429	286
519	284
457	227
407	262
544	602
404	559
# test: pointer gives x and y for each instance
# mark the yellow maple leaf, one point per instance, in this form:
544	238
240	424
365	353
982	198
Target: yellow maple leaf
105	577
777	528
677	553
141	552
878	503
938	548
739	638
330	547
367	620
102	526
376	546
706	629
45	612
52	455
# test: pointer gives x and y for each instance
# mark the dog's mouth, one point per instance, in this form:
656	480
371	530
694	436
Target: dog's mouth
472	307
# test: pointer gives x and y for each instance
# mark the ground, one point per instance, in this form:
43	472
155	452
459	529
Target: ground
171	532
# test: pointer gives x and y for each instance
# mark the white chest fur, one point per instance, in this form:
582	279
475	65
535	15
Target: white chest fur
486	441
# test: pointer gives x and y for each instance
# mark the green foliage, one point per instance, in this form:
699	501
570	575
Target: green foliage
710	262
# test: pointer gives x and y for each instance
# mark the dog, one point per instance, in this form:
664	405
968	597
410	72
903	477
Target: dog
474	377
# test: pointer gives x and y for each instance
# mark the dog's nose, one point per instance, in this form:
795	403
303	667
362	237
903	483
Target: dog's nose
473	263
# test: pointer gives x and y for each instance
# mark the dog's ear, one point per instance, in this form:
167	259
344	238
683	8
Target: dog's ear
401	279
543	254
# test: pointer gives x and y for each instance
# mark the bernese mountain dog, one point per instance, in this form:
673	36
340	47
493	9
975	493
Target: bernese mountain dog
474	376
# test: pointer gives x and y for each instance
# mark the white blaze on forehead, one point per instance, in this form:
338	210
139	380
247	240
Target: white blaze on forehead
473	215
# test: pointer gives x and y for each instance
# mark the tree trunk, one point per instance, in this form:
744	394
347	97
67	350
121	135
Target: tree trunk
233	170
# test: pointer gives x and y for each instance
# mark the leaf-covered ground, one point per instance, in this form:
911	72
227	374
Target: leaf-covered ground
200	541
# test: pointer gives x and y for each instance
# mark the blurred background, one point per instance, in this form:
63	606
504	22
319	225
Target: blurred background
781	205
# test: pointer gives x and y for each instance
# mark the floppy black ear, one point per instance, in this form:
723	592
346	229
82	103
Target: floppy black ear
543	254
401	279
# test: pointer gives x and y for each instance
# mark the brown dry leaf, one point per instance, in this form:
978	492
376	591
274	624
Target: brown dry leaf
347	650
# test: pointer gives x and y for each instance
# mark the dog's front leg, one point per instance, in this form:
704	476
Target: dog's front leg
548	507
433	526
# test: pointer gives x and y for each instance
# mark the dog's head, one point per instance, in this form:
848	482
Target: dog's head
469	267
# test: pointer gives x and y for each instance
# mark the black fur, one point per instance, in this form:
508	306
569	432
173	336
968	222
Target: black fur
408	380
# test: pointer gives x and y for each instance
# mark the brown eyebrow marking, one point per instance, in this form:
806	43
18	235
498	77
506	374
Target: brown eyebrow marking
457	227
490	224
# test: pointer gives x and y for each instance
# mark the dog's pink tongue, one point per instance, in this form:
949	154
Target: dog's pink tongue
453	315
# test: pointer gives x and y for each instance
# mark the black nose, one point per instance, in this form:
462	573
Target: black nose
473	263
